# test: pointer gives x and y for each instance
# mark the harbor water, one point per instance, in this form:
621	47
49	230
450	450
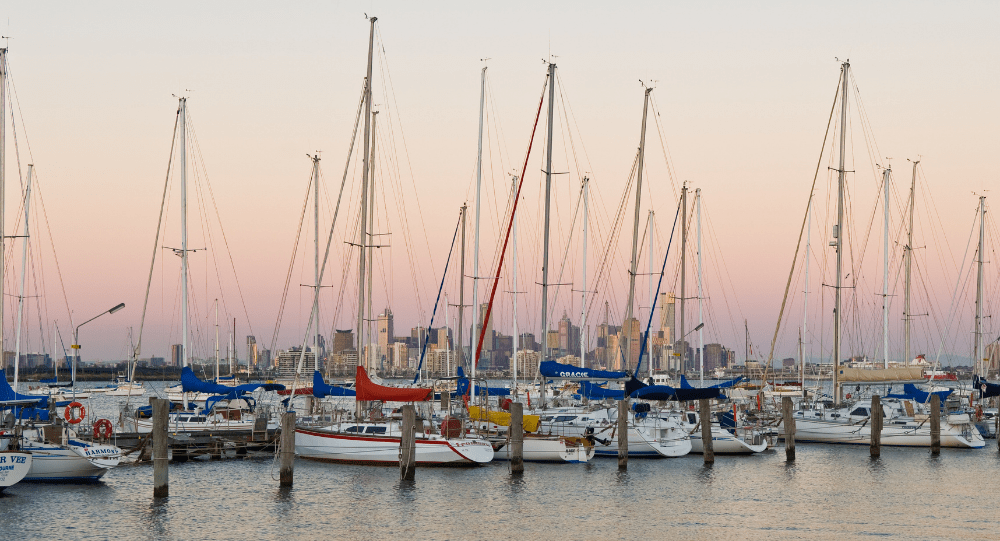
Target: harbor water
829	492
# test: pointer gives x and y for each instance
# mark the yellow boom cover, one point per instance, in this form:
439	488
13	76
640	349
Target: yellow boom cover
502	418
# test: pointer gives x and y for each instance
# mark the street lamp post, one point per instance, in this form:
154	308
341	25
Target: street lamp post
76	340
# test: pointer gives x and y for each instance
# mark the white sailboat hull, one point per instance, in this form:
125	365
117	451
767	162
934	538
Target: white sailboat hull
544	449
73	462
14	466
431	450
910	434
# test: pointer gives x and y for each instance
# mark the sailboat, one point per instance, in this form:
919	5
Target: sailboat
371	437
905	416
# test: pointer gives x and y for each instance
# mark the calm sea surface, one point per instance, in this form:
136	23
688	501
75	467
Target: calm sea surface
829	492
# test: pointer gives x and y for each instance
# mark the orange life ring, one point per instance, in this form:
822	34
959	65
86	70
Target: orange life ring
103	429
848	396
72	410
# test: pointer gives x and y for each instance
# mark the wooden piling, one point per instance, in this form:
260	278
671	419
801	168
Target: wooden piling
446	401
309	405
707	444
789	421
287	449
876	426
516	437
623	434
935	424
160	484
408	444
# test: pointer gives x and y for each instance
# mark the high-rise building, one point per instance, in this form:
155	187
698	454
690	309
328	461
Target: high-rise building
667	315
629	337
385	336
342	341
253	355
176	354
527	363
288	362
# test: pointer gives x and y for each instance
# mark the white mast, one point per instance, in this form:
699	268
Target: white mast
701	317
909	261
232	352
517	335
838	241
681	334
978	342
805	301
885	273
545	242
363	239
3	187
315	160
184	240
216	340
649	345
372	347
24	262
447	337
583	302
475	249
627	333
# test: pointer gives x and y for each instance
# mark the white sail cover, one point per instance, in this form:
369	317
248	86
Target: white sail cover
884	375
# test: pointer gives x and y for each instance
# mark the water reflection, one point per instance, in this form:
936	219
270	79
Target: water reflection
155	518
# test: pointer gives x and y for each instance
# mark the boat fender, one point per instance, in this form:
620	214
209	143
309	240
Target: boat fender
75	412
979	412
103	429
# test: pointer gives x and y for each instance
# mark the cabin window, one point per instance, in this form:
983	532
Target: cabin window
692	419
352	429
863	412
197	419
375	430
564	418
819	414
547	418
835	415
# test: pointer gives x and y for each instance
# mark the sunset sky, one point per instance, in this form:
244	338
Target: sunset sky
743	93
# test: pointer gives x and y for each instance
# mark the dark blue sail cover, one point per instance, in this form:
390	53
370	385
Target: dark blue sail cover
723	385
463	387
322	389
593	391
552	369
910	392
638	389
7	393
191	384
985	388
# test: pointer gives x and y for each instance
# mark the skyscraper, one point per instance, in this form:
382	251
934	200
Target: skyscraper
253	354
176	354
385	336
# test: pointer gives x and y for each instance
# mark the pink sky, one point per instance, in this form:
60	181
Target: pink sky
743	92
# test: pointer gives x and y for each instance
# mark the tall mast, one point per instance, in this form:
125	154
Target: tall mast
684	240
24	262
805	301
461	292
649	345
184	241
513	270
978	341
372	352
909	262
885	272
363	239
315	160
216	340
545	242
627	333
701	317
479	183
838	234
583	302
3	188
232	352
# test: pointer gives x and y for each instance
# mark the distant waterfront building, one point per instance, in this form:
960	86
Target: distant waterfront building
176	354
253	355
385	337
288	362
343	341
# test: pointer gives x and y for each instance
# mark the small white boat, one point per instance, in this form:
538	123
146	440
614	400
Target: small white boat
14	466
548	449
648	437
900	427
58	455
725	441
378	444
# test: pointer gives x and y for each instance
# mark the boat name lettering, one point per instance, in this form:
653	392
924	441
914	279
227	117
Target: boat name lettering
14	459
